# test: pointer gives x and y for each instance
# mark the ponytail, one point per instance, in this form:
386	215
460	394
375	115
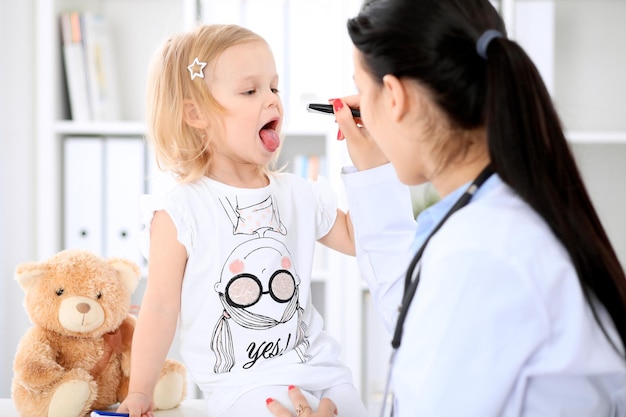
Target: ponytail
529	151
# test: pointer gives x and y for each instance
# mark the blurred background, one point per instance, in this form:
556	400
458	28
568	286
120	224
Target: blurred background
577	44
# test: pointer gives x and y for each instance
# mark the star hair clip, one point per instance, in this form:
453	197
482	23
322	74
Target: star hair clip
192	67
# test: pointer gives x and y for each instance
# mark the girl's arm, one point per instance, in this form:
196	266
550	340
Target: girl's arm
384	230
365	154
341	235
158	316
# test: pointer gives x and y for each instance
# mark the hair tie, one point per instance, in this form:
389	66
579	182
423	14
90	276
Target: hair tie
483	42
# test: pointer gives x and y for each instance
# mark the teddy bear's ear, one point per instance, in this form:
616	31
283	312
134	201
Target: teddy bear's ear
28	273
129	272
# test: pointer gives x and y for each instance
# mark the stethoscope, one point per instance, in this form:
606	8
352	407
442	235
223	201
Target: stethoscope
410	283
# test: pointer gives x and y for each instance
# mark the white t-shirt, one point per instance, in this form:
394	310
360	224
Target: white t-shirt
499	325
246	316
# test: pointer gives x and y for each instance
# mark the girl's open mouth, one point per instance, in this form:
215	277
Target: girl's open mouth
269	136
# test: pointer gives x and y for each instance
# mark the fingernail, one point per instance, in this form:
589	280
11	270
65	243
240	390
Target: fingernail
291	387
339	135
268	401
337	104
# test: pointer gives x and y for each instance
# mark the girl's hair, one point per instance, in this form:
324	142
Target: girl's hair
434	43
180	148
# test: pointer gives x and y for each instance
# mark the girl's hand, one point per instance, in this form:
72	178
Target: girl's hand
137	404
364	152
326	408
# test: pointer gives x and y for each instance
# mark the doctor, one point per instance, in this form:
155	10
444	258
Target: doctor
521	304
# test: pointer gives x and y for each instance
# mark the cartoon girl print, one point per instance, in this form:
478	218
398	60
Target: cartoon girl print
258	289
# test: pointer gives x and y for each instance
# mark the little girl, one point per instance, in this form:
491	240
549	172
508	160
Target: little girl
231	245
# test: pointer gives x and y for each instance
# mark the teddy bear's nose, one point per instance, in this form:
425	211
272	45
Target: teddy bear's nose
83	308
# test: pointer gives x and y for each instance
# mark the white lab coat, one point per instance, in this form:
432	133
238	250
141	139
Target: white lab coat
499	325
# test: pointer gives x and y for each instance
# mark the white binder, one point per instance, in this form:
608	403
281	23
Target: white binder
124	184
82	194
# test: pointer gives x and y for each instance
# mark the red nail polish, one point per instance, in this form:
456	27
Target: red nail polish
291	387
268	401
339	135
337	104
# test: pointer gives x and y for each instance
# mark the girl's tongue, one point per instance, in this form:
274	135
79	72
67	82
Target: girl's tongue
270	139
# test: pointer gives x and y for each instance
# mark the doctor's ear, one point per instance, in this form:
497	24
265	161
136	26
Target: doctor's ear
395	95
194	116
405	97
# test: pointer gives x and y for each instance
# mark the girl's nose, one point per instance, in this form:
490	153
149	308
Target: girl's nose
273	99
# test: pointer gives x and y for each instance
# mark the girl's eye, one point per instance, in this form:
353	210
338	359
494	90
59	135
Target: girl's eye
249	92
275	90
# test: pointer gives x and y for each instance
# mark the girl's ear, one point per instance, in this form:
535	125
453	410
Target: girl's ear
194	117
396	96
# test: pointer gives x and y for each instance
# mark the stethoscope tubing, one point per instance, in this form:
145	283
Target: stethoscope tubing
411	284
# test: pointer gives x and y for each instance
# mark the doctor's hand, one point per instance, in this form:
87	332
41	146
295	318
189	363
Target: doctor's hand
326	408
363	150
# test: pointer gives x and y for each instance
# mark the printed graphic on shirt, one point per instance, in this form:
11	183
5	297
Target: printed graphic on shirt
254	219
258	289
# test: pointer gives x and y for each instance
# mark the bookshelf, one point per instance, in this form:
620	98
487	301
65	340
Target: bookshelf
134	49
590	94
571	38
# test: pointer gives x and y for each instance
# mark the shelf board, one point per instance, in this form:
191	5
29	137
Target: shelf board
599	137
113	128
136	128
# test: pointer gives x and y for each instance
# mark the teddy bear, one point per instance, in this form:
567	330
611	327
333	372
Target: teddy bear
76	355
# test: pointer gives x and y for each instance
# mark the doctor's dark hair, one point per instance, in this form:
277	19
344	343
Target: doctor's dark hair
434	43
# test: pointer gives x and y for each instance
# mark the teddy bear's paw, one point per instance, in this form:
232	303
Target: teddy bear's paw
70	399
169	391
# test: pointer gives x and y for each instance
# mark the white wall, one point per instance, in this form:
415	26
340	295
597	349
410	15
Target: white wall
603	168
590	95
17	170
590	60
